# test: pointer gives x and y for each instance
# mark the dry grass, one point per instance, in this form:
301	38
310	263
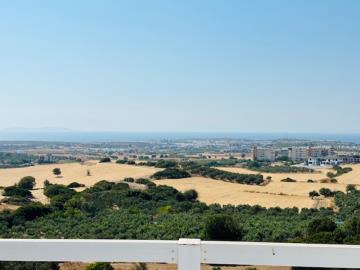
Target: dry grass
276	193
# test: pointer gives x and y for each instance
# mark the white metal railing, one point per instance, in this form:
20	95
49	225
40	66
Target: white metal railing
187	253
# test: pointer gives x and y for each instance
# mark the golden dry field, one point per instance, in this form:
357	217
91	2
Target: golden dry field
276	193
72	172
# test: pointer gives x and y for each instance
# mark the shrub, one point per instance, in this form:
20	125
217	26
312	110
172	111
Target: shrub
165	164
121	161
57	189
326	192
146	182
313	194
32	211
350	188
171	173
223	227
323	224
310	181
57	171
105	160
75	185
27	182
120	186
15	191
100	266
191	195
16	200
29	266
102	185
289	180
129	180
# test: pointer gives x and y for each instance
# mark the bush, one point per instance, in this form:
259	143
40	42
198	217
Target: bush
16	200
288	180
57	189
120	186
75	185
146	182
57	171
27	182
171	173
32	211
105	160
222	227
100	266
313	194
310	181
191	195
323	224
29	266
326	192
165	164
121	161
15	191
350	188
102	185
129	180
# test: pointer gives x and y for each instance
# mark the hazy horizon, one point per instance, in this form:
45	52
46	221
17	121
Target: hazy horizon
114	136
159	66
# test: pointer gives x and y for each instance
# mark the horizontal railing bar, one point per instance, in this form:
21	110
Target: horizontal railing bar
281	254
88	250
222	253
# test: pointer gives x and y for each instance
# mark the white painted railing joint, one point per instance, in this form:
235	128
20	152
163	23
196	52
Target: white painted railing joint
189	254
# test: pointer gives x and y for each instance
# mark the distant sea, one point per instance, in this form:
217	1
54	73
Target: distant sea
86	137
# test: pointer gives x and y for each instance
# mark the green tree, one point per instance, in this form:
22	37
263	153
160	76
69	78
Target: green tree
57	172
326	192
223	227
350	188
27	182
14	191
191	195
313	194
323	224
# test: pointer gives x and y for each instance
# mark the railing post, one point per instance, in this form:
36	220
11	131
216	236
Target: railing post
189	254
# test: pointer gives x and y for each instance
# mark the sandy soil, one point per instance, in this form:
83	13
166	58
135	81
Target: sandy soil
276	193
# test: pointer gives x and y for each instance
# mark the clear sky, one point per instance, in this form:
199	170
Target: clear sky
222	66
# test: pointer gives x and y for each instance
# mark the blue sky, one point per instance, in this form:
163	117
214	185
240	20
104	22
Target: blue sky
222	66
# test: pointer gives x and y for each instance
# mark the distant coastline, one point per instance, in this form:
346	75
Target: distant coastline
86	137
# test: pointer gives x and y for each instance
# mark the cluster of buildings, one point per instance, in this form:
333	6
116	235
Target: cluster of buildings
45	159
310	156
